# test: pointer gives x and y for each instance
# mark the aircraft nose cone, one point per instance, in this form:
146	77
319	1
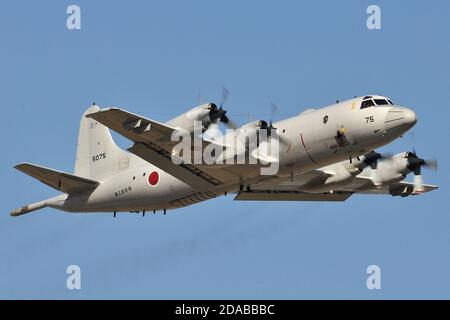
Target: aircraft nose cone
400	119
410	117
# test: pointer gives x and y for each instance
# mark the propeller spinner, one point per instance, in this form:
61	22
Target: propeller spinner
218	114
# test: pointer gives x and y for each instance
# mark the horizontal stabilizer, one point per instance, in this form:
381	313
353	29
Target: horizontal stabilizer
64	182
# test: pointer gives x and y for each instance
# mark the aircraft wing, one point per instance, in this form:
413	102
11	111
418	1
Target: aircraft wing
293	189
293	195
65	182
401	188
132	126
152	142
297	190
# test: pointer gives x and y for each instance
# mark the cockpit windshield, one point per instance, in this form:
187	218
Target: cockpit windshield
369	101
367	104
381	102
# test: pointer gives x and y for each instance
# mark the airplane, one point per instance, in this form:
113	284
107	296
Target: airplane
315	147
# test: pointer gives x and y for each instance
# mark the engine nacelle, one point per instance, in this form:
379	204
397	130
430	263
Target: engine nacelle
254	132
253	127
393	169
205	113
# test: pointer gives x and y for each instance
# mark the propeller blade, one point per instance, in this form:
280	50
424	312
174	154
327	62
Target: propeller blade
225	94
371	158
415	163
223	117
431	164
228	122
418	184
387	155
273	111
215	113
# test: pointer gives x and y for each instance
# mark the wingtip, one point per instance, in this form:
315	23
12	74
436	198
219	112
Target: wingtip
92	114
20	165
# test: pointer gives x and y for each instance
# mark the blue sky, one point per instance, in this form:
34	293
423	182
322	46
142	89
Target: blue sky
154	58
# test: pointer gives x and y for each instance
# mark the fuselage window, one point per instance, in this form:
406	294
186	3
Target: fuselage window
367	104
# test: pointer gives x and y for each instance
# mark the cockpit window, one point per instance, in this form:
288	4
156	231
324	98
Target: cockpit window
367	104
390	101
381	102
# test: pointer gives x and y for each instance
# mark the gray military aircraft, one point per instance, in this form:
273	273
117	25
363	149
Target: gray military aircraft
323	155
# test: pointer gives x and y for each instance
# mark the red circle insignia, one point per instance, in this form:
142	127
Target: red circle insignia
153	178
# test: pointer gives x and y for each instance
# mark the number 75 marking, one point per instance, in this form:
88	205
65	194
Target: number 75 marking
369	119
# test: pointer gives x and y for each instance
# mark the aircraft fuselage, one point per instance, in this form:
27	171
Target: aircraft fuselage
316	138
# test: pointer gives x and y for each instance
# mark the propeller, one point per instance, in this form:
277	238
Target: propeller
273	111
270	127
199	99
371	159
262	125
225	95
217	114
228	122
223	117
415	165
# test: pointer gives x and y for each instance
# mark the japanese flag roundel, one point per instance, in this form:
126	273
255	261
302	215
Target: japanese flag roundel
153	178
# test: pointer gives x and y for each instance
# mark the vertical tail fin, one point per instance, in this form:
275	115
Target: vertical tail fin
98	157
